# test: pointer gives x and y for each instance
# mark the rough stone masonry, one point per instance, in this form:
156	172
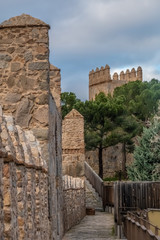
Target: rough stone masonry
25	94
35	203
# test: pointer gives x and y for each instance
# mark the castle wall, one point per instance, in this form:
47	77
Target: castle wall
74	201
73	157
25	94
100	80
24	184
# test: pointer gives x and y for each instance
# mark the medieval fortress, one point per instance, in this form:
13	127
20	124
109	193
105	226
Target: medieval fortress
100	80
42	183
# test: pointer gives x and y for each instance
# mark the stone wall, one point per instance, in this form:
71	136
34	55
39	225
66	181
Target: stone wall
55	85
73	148
74	201
26	95
24	206
112	160
73	157
100	80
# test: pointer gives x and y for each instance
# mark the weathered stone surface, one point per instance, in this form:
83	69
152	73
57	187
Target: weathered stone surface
3	64
38	66
28	56
41	114
15	67
41	57
23	20
26	83
41	133
42	99
13	97
23	115
10	50
5	57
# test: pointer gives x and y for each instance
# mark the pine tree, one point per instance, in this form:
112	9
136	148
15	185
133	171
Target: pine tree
147	156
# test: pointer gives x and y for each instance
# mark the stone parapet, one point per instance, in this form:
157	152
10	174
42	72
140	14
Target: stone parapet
74	201
18	145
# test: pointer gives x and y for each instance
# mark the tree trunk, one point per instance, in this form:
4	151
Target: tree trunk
124	170
100	162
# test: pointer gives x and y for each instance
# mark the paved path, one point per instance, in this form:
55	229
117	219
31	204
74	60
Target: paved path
97	227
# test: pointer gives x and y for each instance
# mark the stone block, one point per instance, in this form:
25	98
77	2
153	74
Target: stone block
5	57
13	97
41	114
3	64
41	133
23	115
16	66
38	66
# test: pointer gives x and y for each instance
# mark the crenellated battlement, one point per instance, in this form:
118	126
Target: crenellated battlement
99	75
129	76
100	80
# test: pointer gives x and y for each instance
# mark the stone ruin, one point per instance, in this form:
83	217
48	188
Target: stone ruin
35	199
100	80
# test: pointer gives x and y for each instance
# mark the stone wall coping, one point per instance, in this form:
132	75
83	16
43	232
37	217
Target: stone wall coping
22	21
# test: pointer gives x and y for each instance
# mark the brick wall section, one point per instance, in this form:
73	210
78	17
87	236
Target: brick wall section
100	80
74	201
24	206
73	144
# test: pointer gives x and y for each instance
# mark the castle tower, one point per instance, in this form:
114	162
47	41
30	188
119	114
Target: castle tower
101	81
97	80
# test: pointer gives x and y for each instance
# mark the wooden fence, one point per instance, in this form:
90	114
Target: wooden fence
136	228
132	196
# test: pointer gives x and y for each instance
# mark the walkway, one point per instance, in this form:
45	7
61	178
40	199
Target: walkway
97	227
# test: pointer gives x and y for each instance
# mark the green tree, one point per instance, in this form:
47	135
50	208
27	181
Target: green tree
147	155
141	98
68	100
102	123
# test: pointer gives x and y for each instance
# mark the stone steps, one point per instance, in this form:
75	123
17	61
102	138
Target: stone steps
93	199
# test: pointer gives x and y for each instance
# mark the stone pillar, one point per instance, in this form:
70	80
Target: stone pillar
73	155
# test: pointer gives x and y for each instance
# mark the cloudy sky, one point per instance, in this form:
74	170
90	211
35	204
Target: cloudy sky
86	34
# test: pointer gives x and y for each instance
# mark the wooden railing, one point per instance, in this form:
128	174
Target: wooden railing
106	192
136	228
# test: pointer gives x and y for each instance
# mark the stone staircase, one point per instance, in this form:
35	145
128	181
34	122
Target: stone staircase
93	200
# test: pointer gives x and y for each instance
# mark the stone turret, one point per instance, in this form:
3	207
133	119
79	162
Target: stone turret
101	81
